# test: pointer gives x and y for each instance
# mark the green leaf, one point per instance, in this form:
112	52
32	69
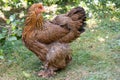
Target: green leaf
12	38
12	17
1	36
8	21
14	23
1	54
1	57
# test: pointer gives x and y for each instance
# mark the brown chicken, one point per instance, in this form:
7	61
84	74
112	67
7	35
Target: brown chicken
49	40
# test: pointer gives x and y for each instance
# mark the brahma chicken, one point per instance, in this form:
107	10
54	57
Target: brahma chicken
49	40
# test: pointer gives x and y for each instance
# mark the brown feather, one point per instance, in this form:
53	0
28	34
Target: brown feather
49	40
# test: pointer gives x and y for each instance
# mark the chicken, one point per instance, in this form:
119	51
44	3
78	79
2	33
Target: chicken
49	40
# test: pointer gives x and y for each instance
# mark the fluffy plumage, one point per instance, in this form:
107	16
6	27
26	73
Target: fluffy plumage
49	40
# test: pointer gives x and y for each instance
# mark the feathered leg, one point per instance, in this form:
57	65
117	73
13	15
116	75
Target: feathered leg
57	58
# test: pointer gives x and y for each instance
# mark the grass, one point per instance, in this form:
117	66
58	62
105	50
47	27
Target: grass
96	56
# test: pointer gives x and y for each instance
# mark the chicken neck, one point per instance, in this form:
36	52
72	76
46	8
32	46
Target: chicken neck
34	21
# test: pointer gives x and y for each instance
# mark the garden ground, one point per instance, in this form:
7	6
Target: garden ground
96	56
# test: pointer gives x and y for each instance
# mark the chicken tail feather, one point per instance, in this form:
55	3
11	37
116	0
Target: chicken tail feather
78	14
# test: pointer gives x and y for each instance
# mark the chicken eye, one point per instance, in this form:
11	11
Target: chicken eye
40	7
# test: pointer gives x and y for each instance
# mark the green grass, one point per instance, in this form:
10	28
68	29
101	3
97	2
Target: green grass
96	56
